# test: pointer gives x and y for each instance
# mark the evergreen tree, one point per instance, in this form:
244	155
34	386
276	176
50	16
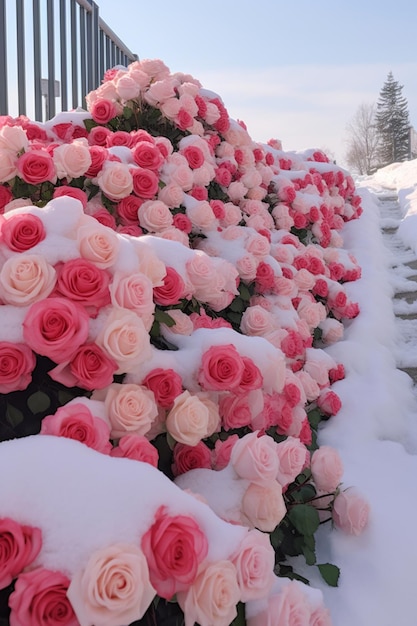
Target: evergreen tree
392	123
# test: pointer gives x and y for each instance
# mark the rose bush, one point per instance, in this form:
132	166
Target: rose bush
182	283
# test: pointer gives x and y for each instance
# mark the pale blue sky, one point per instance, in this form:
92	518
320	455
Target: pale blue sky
295	70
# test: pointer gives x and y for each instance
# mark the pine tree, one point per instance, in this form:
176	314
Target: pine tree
392	123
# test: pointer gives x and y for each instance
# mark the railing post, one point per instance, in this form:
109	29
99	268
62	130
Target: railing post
37	78
4	99
74	73
21	62
51	59
63	49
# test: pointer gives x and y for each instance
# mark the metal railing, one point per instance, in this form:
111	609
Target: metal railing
56	50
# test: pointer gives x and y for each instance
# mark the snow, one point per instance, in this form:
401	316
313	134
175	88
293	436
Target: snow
376	429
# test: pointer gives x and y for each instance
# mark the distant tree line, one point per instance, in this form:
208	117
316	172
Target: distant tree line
380	134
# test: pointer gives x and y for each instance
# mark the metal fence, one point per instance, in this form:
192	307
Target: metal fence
52	53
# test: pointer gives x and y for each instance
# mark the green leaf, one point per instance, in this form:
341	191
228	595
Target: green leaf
304	518
314	417
237	305
127	112
13	415
38	402
162	317
330	573
89	124
309	555
244	291
240	619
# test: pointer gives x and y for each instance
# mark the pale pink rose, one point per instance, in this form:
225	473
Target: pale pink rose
154	216
288	607
188	420
310	386
26	278
212	598
174	234
72	159
304	279
201	272
210	402
154	68
13	138
131	409
183	324
326	468
115	180
98	244
160	91
127	88
236	191
258	245
256	321
170	107
351	512
113	588
40	597
246	266
255	458
76	421
8	167
263	506
172	195
125	339
232	215
293	459
332	330
17	203
254	561
203	175
318	370
134	292
201	215
320	616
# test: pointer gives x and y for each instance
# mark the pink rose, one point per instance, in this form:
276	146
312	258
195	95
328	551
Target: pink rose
56	328
183	324
136	447
127	209
154	216
131	409
5	197
320	616
40	597
293	458
102	111
254	561
147	155
17	363
75	421
174	547
36	166
26	278
113	588
120	138
237	409
187	458
326	468
19	546
252	378
8	164
98	244
212	599
172	194
22	232
221	369
329	402
83	282
255	458
115	180
71	192
145	182
222	452
125	339
350	512
90	368
98	137
263	506
187	422
166	385
172	290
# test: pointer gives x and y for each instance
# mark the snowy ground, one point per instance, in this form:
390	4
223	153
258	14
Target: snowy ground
376	430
